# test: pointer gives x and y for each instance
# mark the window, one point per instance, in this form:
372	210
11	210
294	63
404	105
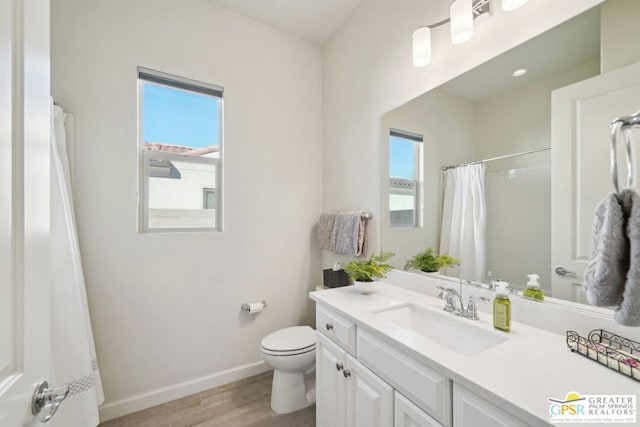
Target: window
405	156
209	198
180	125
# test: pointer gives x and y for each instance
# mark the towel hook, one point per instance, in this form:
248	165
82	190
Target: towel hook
622	126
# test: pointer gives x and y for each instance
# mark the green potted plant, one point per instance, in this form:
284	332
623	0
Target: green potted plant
364	272
429	262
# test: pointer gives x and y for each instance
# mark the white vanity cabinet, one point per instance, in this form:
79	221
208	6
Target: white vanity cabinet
406	414
365	381
471	410
347	393
331	407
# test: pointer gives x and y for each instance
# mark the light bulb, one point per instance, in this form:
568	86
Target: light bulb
421	47
461	13
508	5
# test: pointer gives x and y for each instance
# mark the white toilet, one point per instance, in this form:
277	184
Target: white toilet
291	352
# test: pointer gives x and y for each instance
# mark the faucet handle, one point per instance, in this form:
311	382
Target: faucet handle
471	312
444	290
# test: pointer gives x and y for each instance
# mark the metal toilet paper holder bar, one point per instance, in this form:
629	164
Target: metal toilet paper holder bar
245	306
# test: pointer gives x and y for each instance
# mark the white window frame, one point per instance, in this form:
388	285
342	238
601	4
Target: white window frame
179	83
402	185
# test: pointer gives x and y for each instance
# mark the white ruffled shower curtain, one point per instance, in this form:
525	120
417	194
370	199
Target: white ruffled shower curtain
464	221
73	353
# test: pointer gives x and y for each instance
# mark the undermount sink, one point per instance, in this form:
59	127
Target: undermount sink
448	330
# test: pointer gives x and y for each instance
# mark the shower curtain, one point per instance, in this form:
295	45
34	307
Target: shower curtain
72	348
463	232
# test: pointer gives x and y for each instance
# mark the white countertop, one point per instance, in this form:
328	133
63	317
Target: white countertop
523	372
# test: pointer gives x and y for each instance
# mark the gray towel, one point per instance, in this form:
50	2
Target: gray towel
609	262
325	231
349	233
629	312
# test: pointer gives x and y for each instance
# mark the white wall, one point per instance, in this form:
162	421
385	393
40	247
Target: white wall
620	33
520	119
368	71
447	125
166	307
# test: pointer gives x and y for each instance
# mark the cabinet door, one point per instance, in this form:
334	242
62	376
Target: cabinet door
330	383
369	399
471	410
406	414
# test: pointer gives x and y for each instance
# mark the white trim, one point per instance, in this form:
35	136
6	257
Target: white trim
142	401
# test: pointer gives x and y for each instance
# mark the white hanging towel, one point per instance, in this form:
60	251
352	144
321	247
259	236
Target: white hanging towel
73	353
464	223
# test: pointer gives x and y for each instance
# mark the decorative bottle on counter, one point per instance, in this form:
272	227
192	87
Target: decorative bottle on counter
502	307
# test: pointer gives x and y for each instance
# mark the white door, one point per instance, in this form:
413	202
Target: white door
369	399
24	206
580	137
330	383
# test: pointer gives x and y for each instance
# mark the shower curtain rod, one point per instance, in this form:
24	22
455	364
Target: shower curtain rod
444	168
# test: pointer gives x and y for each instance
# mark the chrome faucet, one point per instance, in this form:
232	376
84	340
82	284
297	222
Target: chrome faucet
451	296
454	303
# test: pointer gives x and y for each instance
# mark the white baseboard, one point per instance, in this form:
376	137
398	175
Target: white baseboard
142	401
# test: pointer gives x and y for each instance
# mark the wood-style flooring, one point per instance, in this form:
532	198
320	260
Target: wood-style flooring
244	403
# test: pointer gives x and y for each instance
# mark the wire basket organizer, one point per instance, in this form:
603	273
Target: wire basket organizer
618	353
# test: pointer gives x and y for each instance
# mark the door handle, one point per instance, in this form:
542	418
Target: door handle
561	271
47	399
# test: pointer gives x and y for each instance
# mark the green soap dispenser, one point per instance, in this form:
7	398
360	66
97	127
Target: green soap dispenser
533	288
502	307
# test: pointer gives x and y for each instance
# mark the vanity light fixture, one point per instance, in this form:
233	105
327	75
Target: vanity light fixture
421	46
462	15
520	72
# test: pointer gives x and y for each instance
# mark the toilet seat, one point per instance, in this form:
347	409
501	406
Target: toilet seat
289	341
288	353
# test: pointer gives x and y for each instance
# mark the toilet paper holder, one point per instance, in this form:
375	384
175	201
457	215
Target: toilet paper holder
246	306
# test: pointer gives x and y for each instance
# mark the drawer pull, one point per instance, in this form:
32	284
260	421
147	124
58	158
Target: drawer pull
329	326
339	366
346	373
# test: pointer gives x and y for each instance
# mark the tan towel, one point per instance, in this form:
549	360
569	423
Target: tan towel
325	231
350	233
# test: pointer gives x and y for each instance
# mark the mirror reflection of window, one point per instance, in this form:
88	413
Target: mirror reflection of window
405	175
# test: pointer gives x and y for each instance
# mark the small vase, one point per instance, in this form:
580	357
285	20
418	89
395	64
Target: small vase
365	288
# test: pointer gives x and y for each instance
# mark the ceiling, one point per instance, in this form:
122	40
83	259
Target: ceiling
561	47
313	20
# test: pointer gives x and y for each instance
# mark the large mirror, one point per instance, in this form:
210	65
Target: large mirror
541	160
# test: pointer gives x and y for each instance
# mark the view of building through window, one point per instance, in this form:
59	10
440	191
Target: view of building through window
180	123
404	173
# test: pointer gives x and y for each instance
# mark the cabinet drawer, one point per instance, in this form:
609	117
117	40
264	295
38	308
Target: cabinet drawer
429	389
406	414
336	327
